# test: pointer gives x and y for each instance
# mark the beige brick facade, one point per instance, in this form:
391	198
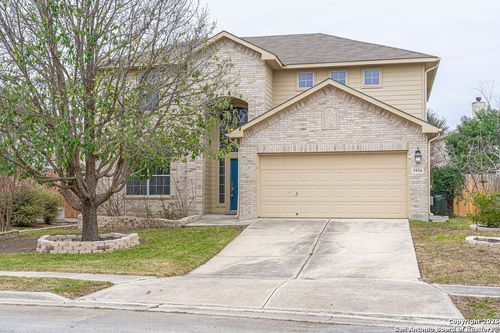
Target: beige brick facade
198	178
330	120
361	127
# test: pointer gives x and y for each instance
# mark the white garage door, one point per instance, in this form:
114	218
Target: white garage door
362	185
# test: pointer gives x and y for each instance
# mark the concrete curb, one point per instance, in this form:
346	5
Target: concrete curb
315	317
115	279
34	296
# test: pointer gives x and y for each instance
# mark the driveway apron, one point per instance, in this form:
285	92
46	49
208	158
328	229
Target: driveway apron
355	267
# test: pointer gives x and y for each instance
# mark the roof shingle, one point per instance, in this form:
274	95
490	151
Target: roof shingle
321	48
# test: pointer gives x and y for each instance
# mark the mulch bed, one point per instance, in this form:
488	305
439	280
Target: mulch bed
19	245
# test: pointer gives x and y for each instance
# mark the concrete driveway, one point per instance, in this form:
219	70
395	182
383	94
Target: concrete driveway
319	249
352	267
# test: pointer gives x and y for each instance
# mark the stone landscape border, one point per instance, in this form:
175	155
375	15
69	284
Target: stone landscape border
59	244
481	240
9	235
481	228
134	222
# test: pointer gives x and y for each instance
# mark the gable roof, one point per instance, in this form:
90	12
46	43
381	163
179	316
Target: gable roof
322	48
426	127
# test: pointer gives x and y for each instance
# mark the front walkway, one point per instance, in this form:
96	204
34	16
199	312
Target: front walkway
361	268
217	220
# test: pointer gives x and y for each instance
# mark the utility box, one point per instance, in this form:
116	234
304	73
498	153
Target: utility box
440	205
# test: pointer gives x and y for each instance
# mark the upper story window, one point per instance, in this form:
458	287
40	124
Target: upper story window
371	77
151	100
339	76
157	184
305	80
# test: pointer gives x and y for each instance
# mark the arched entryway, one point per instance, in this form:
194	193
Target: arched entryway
224	189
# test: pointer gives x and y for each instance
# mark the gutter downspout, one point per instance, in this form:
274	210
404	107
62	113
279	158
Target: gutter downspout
431	140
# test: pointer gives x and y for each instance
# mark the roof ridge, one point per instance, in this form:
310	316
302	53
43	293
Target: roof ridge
344	38
283	35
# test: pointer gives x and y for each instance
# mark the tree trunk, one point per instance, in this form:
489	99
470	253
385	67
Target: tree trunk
90	230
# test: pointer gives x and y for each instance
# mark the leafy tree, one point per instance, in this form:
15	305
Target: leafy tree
105	89
436	120
474	149
447	180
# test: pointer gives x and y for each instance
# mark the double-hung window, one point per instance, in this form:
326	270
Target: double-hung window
157	184
339	76
371	77
149	89
305	80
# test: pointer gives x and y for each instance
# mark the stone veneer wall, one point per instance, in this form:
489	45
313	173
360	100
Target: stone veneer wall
352	125
133	222
71	243
9	235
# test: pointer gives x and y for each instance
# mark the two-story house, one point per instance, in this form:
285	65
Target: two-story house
335	128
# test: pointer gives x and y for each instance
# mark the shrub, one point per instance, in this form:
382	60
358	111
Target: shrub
32	202
51	201
27	205
488	209
447	180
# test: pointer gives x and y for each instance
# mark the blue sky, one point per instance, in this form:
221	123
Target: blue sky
464	34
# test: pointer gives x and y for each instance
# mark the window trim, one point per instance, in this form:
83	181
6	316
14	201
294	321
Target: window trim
155	93
379	85
297	80
147	195
340	71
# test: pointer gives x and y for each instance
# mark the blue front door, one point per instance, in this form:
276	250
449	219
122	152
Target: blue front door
234	186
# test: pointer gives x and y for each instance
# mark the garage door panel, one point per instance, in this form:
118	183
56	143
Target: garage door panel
333	185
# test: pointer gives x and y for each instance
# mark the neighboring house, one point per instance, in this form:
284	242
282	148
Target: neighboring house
336	129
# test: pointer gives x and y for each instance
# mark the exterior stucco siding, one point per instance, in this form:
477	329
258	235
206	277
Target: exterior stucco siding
361	127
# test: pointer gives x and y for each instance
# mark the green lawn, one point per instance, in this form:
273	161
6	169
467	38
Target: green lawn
65	287
445	257
478	307
165	252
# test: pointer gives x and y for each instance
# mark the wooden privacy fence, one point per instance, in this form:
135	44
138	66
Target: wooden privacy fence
464	206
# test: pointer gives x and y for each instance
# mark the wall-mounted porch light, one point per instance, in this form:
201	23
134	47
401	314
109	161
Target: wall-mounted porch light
418	156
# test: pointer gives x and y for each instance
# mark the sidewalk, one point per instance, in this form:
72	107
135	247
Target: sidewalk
203	296
470	291
215	220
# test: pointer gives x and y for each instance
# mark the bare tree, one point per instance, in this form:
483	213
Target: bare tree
487	90
437	120
115	205
105	89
